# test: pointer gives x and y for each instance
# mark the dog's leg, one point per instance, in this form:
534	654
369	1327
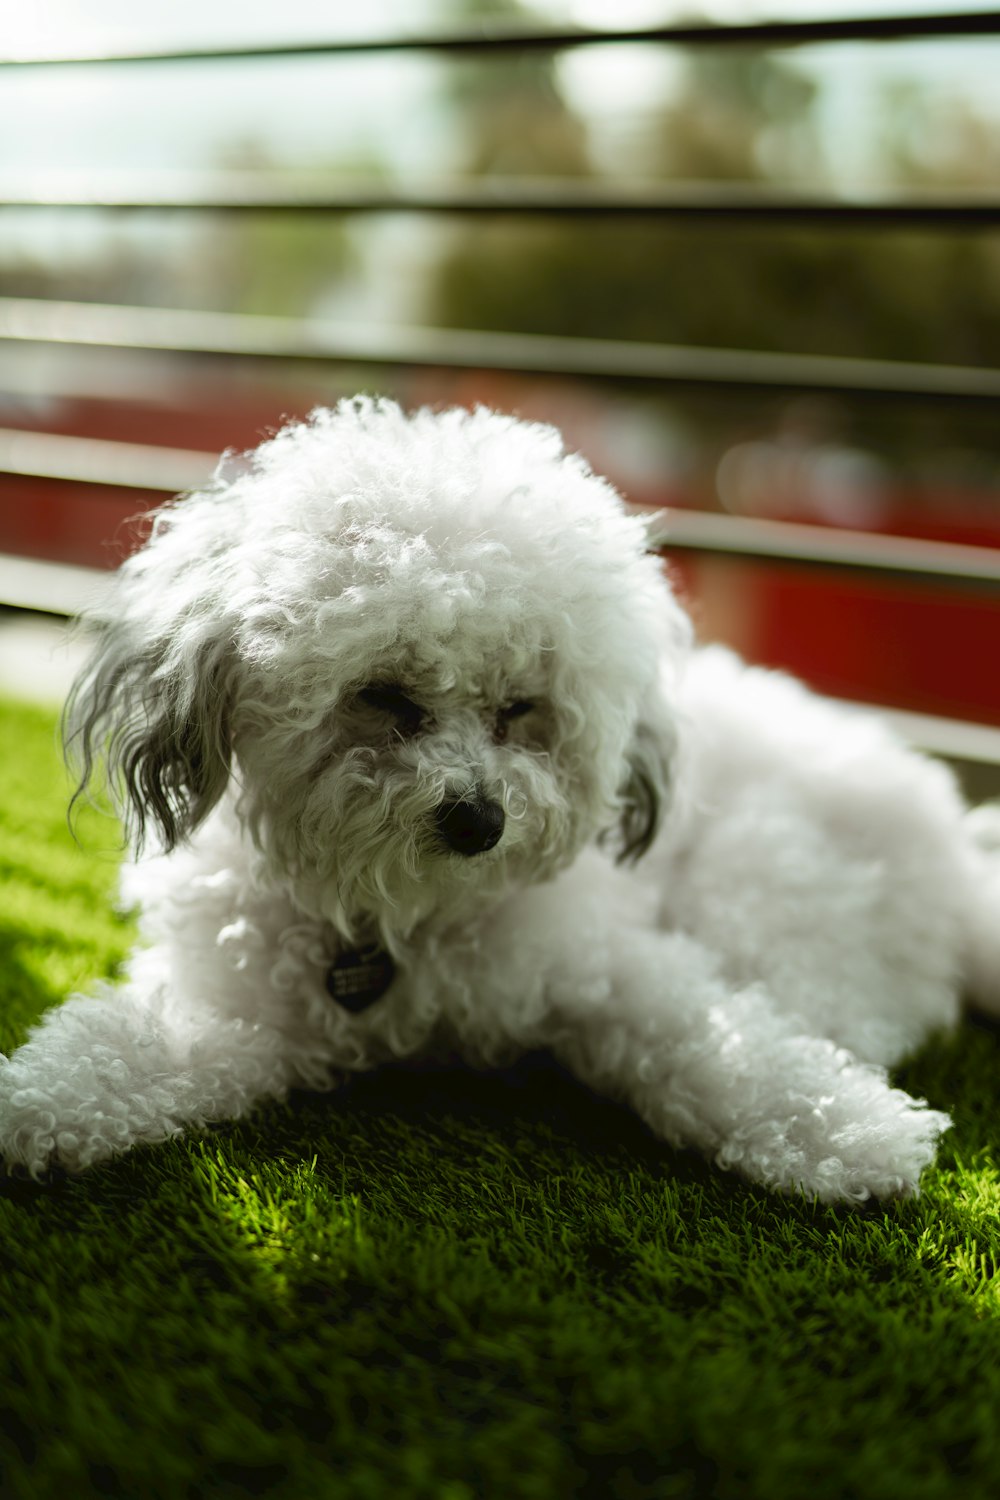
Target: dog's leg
728	1073
101	1074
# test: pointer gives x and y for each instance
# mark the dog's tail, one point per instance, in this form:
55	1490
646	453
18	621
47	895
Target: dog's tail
983	961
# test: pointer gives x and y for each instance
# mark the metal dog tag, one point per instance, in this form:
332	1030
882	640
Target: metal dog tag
357	979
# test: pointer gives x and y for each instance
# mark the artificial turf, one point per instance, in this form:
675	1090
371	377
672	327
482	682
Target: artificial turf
451	1286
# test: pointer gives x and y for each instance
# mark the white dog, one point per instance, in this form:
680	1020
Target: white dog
402	704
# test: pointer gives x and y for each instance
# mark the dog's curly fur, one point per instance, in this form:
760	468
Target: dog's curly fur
413	685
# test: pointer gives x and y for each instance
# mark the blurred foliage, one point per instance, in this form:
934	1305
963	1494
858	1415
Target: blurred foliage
734	118
726	115
274	263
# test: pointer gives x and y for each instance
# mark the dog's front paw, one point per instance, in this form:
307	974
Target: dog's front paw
876	1159
46	1124
866	1141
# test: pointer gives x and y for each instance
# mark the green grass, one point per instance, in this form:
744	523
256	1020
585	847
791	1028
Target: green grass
444	1285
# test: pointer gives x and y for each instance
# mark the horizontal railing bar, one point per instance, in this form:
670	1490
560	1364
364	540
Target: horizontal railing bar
140	466
952	739
50	587
485	37
743	538
255	192
170	470
245	335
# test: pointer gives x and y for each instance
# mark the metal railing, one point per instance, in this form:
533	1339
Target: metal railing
242	192
168	471
487	36
245	337
265	337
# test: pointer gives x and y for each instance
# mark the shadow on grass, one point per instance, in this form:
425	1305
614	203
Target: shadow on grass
435	1120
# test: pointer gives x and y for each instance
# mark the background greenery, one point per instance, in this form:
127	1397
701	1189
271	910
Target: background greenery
740	115
443	1285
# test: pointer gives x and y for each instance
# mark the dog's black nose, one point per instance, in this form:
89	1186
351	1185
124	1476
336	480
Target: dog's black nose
470	827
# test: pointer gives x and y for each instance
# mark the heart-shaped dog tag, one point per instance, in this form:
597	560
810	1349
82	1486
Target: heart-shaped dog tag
356	979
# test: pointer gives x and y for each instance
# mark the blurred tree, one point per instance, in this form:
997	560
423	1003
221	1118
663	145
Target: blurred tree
277	263
740	117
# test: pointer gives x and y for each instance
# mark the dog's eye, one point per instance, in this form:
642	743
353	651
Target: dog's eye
387	698
516	710
507	716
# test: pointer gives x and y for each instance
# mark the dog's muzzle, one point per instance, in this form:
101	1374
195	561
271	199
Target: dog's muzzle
470	826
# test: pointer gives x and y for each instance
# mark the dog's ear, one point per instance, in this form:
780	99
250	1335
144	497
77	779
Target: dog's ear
644	794
159	722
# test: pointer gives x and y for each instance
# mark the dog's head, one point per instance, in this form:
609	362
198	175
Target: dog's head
426	654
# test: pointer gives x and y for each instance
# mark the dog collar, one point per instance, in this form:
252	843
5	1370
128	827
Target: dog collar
359	977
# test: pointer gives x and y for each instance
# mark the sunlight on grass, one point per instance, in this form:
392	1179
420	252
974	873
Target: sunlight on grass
286	1221
59	930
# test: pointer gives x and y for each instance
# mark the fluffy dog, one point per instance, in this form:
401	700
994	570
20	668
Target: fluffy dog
408	721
